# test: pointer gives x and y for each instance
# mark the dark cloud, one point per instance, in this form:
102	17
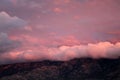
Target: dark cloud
8	23
6	44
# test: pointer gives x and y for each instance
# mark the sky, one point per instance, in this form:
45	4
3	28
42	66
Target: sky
34	30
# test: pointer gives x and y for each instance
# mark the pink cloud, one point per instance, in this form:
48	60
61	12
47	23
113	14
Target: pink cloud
63	53
81	28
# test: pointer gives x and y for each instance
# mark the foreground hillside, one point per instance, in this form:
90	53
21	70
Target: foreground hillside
76	69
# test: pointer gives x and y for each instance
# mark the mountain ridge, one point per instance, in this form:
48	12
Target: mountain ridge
75	69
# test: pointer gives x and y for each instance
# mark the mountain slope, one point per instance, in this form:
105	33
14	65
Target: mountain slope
76	69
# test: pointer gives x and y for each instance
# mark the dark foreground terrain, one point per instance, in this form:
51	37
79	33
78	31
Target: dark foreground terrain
76	69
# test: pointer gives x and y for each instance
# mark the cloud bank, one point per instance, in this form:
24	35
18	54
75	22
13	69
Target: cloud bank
63	53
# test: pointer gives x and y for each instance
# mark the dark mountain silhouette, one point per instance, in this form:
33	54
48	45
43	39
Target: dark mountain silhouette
76	69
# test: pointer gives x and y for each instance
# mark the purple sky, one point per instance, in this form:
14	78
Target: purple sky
42	29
